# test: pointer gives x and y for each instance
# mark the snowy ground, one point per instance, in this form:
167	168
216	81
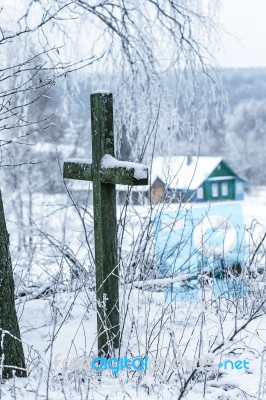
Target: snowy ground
63	326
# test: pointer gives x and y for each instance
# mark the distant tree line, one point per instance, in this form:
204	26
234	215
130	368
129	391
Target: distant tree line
238	132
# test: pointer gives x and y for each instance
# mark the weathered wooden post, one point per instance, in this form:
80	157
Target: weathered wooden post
105	171
11	351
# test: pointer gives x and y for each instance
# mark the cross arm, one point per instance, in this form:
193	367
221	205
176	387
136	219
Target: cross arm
80	169
123	172
112	171
123	176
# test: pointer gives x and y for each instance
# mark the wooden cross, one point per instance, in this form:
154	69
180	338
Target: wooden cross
105	172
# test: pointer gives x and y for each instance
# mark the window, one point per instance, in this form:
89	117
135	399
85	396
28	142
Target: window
215	190
239	188
200	195
224	189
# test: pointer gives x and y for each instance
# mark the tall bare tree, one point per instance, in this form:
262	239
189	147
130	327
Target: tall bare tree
11	350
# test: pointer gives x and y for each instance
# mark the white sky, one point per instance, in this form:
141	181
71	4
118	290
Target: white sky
246	20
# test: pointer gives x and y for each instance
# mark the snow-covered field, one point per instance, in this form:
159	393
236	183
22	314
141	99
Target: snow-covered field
59	327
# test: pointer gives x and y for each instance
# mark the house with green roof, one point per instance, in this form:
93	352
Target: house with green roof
194	178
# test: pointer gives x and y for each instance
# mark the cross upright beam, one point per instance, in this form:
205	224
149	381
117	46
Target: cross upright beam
105	231
105	171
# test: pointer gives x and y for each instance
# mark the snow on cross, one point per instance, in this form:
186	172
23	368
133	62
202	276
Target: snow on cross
105	171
